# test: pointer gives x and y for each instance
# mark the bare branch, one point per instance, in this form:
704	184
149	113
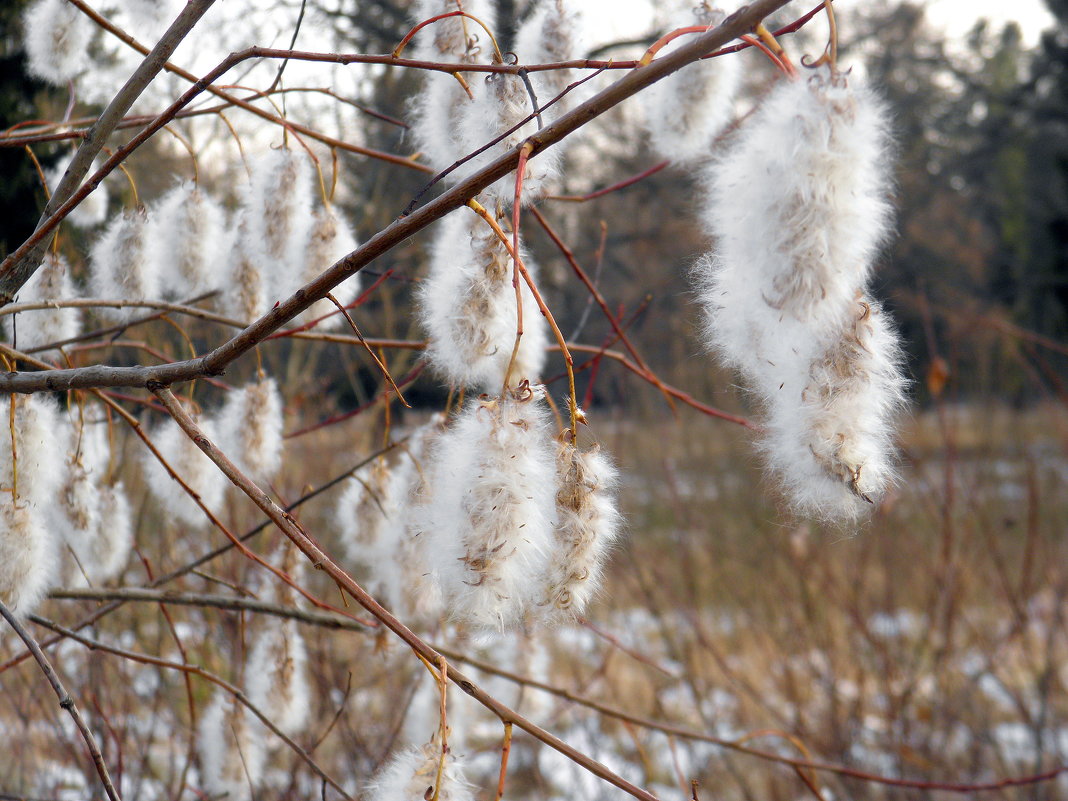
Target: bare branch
14	272
215	362
65	700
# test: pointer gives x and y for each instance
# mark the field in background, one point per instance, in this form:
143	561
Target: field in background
928	645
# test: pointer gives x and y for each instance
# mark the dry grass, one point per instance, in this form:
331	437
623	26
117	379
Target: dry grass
928	644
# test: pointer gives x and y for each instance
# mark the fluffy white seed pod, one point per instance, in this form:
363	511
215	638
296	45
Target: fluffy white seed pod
92	515
467	306
443	102
411	591
57	40
119	267
330	239
245	293
831	443
499	105
488	524
34	467
277	206
78	516
91	211
798	209
110	549
189	462
276	671
185	241
231	748
28	557
687	110
587	525
35	328
250	426
553	33
363	512
413	773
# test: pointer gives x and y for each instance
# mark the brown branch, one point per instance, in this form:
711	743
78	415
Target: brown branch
65	699
216	361
195	670
323	562
16	269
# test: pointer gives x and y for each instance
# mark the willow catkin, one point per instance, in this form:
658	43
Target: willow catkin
250	425
362	513
34	329
231	746
277	208
276	669
31	462
467	305
331	238
799	207
489	515
192	465
443	102
56	41
119	267
93	210
687	110
553	33
185	242
414	772
832	447
411	591
587	526
501	104
245	292
110	550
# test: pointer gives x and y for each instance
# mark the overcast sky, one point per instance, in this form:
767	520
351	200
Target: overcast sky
620	19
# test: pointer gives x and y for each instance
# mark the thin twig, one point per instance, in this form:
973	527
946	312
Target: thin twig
322	561
216	361
65	700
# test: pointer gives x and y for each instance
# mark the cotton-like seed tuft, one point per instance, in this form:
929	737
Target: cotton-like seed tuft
831	443
250	427
363	514
189	462
28	558
499	105
57	40
185	242
31	471
798	208
231	748
443	102
277	209
687	110
587	525
114	541
119	267
245	293
553	33
276	670
331	239
413	774
489	516
93	210
40	327
467	306
407	587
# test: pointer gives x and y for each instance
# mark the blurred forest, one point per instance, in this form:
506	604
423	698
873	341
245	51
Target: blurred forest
977	277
